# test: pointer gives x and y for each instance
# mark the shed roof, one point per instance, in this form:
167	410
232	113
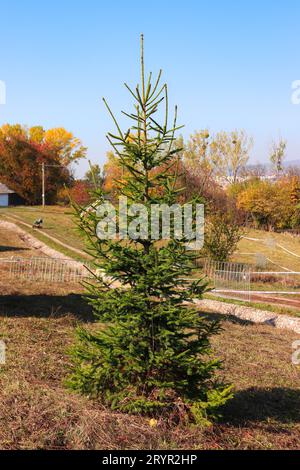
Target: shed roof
5	190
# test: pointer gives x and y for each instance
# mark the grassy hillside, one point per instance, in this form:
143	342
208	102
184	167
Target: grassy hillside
273	246
59	223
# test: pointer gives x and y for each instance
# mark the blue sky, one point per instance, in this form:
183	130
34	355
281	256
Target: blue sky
228	64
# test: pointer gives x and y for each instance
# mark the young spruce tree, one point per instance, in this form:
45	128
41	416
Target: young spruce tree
151	352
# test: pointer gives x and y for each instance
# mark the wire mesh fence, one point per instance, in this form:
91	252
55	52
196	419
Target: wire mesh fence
238	280
233	280
228	277
54	270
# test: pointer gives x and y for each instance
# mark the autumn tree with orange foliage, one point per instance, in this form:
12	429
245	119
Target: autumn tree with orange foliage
113	174
193	177
22	152
80	193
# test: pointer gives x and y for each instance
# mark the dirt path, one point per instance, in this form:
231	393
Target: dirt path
54	239
263	298
286	302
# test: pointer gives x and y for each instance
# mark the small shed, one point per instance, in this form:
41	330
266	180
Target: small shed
8	197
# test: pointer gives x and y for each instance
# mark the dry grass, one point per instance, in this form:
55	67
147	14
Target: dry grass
13	245
38	412
268	246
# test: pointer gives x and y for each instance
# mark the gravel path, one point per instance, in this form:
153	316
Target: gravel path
251	314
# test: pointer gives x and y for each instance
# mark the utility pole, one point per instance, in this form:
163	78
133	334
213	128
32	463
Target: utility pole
43	184
44	179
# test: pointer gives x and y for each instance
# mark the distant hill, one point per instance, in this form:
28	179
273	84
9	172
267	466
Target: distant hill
290	163
268	166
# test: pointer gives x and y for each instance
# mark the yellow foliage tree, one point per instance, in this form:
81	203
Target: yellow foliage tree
269	204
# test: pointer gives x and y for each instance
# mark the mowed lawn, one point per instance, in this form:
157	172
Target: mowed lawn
37	323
